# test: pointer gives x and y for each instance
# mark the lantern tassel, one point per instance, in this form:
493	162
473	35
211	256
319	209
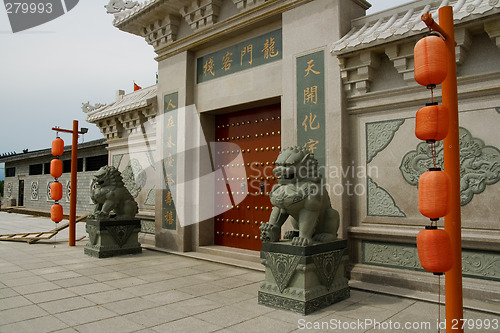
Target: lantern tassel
439	302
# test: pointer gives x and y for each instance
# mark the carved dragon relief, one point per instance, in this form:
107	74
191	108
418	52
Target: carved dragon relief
479	164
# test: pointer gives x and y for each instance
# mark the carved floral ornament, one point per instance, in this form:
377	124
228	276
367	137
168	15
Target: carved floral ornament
9	190
480	164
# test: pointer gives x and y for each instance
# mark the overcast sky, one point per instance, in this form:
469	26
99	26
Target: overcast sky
47	72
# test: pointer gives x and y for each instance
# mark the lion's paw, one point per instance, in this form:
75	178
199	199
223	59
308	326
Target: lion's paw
290	234
301	241
269	232
324	237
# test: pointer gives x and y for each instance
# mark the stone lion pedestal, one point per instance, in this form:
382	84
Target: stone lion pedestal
305	270
110	238
304	279
113	229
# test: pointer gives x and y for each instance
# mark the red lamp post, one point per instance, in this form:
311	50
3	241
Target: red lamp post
72	198
451	149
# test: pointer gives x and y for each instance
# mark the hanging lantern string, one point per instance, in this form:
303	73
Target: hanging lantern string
433	153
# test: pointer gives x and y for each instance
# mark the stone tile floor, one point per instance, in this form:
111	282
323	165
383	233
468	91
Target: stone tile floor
51	287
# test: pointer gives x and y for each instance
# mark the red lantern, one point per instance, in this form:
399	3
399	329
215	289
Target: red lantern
56	213
430	60
57	146
56	191
432	122
433	193
434	250
56	168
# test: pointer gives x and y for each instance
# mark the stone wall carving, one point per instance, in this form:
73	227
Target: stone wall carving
326	265
34	190
148	227
134	177
392	255
150	200
8	188
48	191
68	190
151	159
476	264
282	266
380	202
482	264
480	164
379	135
117	159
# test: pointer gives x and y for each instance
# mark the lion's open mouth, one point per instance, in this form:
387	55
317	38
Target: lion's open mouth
284	173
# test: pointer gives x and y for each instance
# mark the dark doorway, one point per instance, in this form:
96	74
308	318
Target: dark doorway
21	193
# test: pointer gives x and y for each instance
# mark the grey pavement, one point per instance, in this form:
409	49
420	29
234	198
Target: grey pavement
51	287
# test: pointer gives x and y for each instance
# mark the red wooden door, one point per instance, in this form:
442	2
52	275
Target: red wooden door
257	132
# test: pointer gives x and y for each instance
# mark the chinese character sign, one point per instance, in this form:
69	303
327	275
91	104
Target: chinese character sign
251	53
311	104
170	106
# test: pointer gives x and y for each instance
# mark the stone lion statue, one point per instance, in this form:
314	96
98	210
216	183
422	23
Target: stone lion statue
110	195
300	195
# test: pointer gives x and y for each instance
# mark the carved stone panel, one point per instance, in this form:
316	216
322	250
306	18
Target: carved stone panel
378	136
327	265
480	164
475	264
282	266
34	190
134	177
120	233
381	202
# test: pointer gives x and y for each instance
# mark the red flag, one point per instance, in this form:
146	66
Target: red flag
136	87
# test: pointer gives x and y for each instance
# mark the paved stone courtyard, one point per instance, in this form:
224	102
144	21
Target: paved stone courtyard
51	287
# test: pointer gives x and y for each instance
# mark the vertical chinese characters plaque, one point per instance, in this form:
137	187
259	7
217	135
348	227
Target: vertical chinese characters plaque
311	104
169	160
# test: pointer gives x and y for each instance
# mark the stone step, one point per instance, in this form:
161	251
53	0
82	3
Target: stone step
231	252
221	254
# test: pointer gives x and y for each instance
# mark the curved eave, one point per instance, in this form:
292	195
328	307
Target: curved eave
136	100
133	20
404	21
